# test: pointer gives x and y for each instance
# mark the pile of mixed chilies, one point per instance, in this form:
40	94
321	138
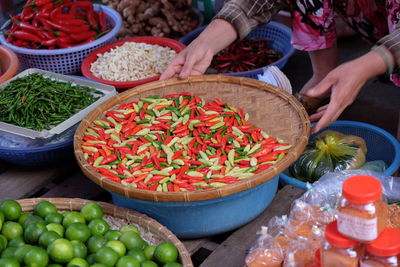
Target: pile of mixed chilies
48	24
178	143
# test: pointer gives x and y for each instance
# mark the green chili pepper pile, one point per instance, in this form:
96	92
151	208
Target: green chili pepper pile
178	143
38	103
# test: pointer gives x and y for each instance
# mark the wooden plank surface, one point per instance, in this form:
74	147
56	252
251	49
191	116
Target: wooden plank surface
17	182
232	252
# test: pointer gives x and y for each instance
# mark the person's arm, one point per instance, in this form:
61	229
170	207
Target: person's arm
345	82
235	20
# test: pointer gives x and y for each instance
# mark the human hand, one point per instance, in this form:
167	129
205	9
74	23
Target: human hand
193	60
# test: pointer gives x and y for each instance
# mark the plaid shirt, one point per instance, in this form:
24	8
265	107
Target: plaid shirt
245	15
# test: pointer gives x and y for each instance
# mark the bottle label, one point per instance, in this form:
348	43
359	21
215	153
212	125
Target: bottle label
357	228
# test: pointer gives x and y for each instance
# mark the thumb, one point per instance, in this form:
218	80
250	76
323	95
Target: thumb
321	89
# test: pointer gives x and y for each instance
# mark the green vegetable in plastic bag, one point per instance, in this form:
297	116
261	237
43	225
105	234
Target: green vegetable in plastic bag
327	152
375	165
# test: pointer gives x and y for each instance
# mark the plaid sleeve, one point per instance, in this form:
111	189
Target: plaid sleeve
245	15
392	43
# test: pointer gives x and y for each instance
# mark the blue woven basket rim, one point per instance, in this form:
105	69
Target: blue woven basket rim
396	145
281	27
114	15
36	149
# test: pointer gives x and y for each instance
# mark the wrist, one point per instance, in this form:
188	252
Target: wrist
372	64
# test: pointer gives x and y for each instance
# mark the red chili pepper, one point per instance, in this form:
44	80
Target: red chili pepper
26	36
110	158
102	21
84	36
74	29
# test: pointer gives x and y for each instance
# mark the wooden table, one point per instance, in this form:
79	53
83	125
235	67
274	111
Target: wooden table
223	250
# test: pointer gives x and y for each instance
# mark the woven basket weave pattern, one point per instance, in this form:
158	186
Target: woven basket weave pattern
150	229
277	112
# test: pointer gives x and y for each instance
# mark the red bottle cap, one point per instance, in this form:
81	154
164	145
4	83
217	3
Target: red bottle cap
336	239
317	257
387	244
362	189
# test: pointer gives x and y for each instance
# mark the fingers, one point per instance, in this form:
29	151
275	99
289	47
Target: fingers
174	68
319	113
322	89
329	115
187	67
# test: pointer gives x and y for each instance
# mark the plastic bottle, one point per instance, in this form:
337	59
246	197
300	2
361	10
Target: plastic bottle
384	251
362	213
338	250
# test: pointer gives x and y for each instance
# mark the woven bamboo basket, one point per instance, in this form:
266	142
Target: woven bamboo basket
152	231
275	111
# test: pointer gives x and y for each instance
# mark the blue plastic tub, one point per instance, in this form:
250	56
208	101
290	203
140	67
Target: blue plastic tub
381	145
205	218
39	156
279	33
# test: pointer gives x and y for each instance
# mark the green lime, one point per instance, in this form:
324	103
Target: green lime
32	220
149	252
2	219
128	261
5	240
2	245
77	231
137	254
166	252
54	265
54	217
36	257
43	208
112	235
172	264
80	249
56	227
91	258
11	210
72	217
21	251
98	227
117	246
8	252
61	251
78	262
16	242
128	228
12	230
8	262
132	240
92	211
33	231
95	243
23	217
107	256
98	265
148	263
47	238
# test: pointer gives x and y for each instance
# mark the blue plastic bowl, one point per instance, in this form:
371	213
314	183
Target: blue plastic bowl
38	156
381	145
205	218
279	33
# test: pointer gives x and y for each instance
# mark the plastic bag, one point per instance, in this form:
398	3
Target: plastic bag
300	254
375	165
328	152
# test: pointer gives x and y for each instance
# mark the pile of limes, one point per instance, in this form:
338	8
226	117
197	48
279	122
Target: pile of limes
82	239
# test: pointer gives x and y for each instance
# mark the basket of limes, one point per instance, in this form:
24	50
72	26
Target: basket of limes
77	232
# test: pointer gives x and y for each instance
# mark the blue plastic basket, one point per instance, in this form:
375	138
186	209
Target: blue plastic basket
381	145
39	156
66	60
209	217
279	33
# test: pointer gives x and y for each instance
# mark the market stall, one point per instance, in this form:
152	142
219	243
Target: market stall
212	170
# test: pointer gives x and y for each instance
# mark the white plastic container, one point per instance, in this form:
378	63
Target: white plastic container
27	136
